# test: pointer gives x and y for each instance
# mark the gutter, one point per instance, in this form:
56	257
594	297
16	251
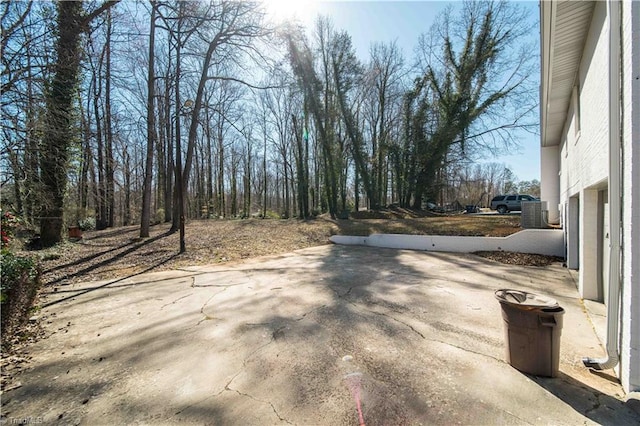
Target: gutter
546	9
615	193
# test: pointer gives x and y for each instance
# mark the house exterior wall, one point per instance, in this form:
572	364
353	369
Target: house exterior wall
550	183
583	158
583	155
630	321
585	150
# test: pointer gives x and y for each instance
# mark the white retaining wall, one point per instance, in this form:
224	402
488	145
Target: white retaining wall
540	241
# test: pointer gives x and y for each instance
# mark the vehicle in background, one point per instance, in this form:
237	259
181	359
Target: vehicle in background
509	203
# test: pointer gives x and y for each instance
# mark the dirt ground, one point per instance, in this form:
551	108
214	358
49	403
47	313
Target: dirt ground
121	252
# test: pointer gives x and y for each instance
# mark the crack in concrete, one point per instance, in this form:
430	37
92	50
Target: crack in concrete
340	296
215	285
175	301
444	289
207	317
311	311
397	320
388	306
228	384
388	316
467	350
282	419
278	333
596	405
210	396
360	305
516	417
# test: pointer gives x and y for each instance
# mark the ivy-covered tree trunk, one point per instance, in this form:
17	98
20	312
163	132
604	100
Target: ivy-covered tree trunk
54	158
55	145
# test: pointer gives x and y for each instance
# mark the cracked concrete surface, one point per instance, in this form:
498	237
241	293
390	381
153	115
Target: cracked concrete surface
264	343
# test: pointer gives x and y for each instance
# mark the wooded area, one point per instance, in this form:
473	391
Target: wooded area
143	112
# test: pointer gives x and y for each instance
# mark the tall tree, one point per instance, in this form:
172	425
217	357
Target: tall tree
109	160
319	99
345	65
383	80
151	128
473	83
71	22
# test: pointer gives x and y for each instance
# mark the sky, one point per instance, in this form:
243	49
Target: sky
403	22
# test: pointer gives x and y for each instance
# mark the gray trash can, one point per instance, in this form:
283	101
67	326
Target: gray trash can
532	329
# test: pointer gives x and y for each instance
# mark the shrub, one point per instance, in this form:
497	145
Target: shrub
87	224
272	215
159	218
8	226
14	269
20	280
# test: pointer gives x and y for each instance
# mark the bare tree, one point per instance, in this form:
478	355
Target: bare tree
151	127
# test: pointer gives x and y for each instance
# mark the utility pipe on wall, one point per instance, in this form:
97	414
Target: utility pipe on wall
615	191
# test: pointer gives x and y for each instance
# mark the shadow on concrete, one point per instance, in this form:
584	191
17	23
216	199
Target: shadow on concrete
76	293
593	404
265	343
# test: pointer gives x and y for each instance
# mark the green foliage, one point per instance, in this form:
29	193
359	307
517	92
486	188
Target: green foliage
8	227
272	215
87	224
159	217
529	187
19	280
15	269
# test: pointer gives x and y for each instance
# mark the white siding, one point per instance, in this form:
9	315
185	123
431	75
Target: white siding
630	330
584	169
585	153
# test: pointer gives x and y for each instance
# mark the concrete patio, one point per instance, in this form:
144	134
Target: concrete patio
270	341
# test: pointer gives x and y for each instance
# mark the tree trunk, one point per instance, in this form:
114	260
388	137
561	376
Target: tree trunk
264	172
109	170
169	166
83	190
234	185
126	215
31	153
179	183
101	207
151	129
222	210
59	101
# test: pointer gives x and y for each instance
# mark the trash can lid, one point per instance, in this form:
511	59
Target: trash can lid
523	298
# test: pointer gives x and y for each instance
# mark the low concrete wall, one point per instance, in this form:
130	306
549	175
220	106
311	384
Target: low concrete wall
541	241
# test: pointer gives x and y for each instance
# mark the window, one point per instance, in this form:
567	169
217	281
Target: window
511	198
575	98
